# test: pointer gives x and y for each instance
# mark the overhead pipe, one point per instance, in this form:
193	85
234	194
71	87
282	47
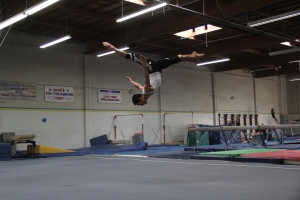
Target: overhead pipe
226	23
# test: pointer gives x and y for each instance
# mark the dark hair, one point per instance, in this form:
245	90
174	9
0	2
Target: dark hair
136	98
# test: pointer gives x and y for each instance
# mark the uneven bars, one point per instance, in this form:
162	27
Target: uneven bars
115	127
164	121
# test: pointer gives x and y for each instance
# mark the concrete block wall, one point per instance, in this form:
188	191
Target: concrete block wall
188	95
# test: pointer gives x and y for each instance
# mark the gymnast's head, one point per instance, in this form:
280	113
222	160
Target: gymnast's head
137	99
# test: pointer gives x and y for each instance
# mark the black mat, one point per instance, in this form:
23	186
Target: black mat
174	155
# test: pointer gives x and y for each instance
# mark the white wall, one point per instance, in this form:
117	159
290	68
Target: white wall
293	88
189	94
65	121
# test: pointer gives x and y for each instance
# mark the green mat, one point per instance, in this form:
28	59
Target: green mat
237	153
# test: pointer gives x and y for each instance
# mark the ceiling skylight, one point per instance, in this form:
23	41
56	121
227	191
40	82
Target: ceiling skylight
197	31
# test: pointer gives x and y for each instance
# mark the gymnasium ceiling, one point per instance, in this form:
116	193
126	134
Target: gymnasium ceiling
94	21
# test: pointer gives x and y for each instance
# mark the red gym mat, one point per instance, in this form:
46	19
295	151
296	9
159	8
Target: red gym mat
284	154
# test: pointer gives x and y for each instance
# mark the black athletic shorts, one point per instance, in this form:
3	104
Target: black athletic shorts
154	65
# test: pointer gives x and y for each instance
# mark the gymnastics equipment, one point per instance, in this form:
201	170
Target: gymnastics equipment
21	139
100	140
258	127
5	151
42	149
235	119
164	121
115	126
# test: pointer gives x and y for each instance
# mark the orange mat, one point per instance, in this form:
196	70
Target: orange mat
284	154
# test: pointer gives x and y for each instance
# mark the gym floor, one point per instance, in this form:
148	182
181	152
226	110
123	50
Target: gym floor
128	177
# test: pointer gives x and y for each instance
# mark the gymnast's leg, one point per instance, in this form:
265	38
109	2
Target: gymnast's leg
123	54
113	48
164	63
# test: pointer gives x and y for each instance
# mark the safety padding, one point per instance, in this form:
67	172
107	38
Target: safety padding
38	149
101	140
5	151
115	141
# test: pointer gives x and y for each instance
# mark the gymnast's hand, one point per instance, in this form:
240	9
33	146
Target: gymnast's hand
128	78
144	60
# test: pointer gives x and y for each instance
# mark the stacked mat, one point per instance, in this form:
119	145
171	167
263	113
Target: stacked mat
5	151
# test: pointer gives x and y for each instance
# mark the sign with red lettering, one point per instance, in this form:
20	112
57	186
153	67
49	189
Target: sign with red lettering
59	94
109	96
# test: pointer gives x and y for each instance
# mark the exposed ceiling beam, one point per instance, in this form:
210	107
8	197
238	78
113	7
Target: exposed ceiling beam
257	52
133	31
160	44
58	25
290	68
228	45
223	23
97	15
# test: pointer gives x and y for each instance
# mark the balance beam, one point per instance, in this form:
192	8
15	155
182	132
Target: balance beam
232	128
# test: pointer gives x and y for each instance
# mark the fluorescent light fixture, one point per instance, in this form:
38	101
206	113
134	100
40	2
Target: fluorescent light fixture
27	12
286	44
197	31
296	61
275	53
142	12
274	18
12	20
265	69
140	2
111	52
213	61
294	79
39	7
55	41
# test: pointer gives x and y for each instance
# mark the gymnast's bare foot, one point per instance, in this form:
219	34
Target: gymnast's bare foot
108	46
191	57
197	55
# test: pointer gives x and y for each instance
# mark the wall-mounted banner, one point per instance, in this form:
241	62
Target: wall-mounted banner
15	90
59	94
109	96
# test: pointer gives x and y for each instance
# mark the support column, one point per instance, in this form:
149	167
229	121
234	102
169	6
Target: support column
254	94
214	99
87	105
161	109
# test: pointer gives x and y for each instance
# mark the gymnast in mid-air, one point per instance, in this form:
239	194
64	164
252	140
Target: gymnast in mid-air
152	71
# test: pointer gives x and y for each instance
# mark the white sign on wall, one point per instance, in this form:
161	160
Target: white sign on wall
15	90
59	94
109	96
